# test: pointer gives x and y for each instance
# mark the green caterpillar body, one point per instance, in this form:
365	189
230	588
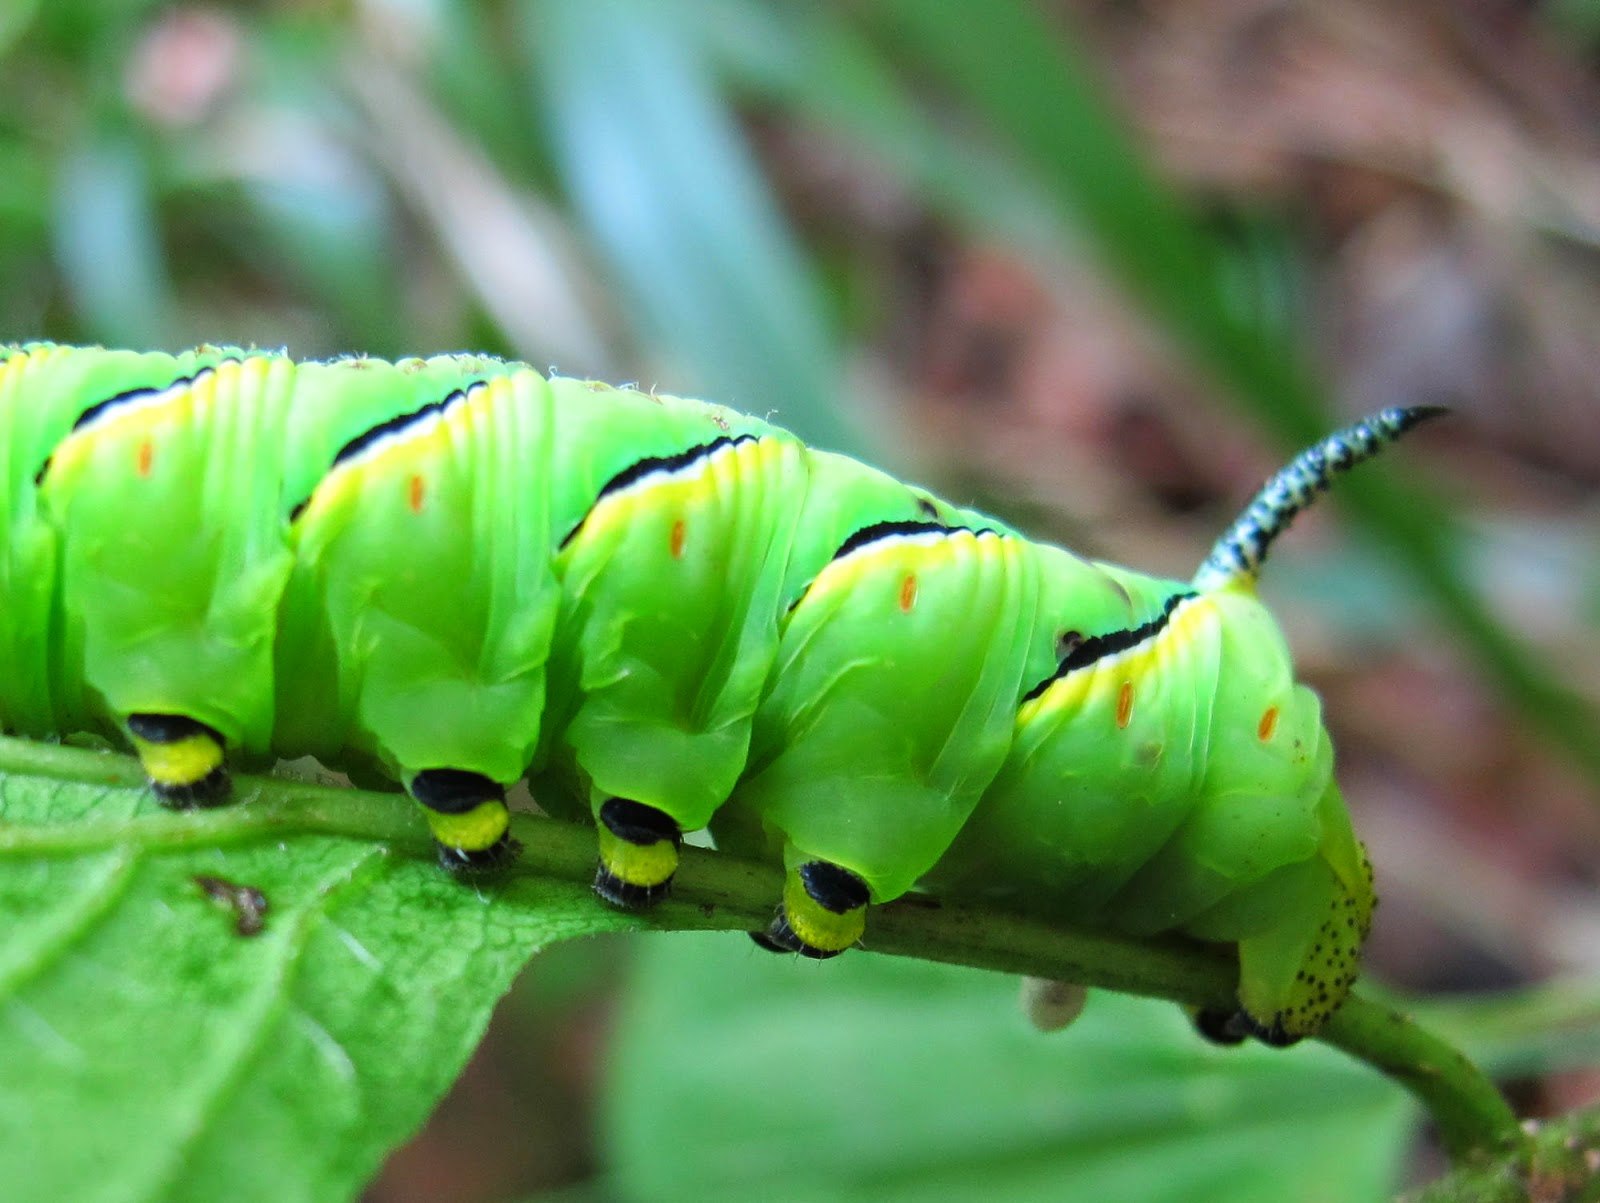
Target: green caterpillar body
669	615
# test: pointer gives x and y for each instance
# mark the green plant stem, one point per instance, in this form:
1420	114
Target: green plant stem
1539	1029
1472	1115
714	891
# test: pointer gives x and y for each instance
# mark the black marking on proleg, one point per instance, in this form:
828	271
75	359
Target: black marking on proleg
1221	1026
1271	1034
832	888
665	465
625	895
211	790
1238	1025
101	409
483	862
170	728
764	941
637	823
388	428
454	791
1085	652
248	904
780	937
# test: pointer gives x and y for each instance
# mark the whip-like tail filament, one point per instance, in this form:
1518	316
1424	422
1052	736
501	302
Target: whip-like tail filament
1238	555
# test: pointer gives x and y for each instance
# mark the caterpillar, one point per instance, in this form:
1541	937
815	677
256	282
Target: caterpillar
667	616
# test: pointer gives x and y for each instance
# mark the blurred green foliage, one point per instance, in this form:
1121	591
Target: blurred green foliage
1577	19
876	1079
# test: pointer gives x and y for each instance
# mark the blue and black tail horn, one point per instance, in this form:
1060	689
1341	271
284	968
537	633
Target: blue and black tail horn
1238	555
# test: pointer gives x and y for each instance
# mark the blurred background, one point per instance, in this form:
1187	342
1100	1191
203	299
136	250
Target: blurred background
1096	267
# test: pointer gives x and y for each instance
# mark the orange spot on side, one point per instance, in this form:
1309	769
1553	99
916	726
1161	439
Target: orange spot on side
415	494
147	457
1125	704
675	542
1268	724
908	593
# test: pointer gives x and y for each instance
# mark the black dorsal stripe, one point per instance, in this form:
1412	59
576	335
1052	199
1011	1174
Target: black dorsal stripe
665	464
395	425
1098	647
384	429
668	464
101	408
879	531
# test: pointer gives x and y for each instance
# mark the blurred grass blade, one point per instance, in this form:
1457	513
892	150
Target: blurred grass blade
315	216
107	246
808	59
663	178
1578	20
512	250
15	17
479	84
1017	71
1025	79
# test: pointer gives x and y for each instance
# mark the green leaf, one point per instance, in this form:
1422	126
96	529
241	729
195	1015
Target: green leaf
739	1074
156	1048
153	1052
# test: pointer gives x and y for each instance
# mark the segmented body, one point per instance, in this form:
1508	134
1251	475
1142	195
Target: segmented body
668	615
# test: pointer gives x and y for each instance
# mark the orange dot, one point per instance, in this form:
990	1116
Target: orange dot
908	593
415	494
1268	724
675	542
1125	704
147	457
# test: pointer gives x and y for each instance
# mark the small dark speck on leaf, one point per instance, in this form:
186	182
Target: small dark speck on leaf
708	909
248	904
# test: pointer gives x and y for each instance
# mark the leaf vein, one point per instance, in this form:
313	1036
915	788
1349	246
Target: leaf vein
82	915
269	1004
